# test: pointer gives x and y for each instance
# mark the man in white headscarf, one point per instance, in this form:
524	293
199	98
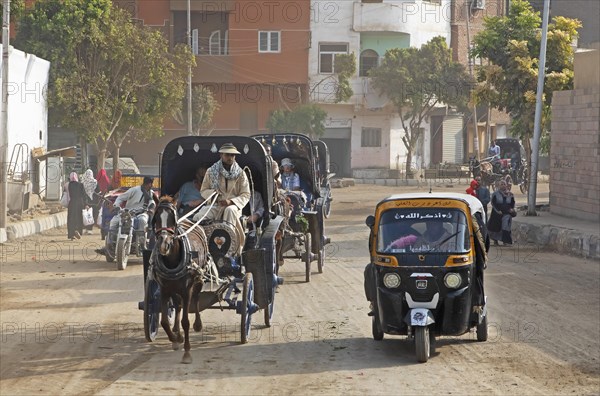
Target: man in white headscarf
227	179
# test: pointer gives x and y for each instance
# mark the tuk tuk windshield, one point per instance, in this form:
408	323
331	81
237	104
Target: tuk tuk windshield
421	230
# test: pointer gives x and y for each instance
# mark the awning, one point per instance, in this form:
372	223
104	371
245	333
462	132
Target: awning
61	152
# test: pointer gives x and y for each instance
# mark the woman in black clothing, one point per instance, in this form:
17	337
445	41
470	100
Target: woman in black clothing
77	203
503	210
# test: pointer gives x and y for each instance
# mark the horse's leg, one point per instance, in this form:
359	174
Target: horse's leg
164	318
185	323
195	297
176	331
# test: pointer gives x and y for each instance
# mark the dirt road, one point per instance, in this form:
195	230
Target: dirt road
70	325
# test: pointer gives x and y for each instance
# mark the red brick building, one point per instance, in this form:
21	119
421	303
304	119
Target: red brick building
252	55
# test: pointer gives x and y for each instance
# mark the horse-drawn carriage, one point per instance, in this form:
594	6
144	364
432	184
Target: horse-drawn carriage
510	165
204	256
303	230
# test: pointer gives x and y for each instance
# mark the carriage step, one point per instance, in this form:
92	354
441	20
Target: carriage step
278	280
326	241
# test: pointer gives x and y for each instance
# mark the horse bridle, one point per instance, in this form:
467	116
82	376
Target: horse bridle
169	230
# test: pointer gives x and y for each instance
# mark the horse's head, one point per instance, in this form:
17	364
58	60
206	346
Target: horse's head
164	224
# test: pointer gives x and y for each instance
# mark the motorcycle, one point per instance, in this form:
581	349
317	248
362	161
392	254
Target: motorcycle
125	240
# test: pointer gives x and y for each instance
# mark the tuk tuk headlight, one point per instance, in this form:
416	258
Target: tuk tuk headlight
391	280
452	280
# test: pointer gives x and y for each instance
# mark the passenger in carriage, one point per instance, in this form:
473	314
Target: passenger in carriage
228	180
290	181
189	197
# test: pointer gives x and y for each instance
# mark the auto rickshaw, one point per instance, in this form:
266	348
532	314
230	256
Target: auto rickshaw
428	253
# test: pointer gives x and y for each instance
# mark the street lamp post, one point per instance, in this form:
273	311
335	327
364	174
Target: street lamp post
4	117
476	138
537	126
189	82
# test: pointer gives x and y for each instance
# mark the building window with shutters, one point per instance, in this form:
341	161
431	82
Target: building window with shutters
269	41
370	137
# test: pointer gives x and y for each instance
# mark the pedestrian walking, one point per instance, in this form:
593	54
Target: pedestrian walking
92	191
77	203
483	194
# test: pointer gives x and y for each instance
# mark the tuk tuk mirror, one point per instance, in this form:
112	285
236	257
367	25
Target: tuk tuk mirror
370	221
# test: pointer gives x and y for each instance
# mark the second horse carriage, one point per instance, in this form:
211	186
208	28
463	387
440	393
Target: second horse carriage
303	230
206	254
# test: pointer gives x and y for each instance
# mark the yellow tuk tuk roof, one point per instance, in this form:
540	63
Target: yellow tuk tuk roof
474	203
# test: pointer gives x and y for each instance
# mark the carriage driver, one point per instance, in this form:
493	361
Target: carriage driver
228	179
139	198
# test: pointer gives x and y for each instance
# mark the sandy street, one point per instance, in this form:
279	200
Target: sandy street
70	325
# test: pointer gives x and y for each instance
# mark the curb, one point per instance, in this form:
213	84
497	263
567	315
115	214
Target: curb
35	226
558	239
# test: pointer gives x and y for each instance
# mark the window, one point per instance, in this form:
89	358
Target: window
369	59
214	43
327	53
370	137
269	41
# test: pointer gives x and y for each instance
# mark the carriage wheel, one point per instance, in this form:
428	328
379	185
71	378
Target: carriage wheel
327	206
307	246
151	309
268	311
247	302
321	259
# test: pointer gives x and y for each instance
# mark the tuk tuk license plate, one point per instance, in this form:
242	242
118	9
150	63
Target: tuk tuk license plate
421	284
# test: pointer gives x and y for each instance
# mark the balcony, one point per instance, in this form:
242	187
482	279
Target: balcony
382	17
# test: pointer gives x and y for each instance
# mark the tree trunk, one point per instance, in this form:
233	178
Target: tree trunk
102	150
409	172
116	154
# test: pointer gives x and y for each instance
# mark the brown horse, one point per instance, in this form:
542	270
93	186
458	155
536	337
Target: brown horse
177	270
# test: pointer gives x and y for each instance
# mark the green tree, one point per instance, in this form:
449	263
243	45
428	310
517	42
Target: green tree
307	119
158	79
99	78
416	80
204	106
511	45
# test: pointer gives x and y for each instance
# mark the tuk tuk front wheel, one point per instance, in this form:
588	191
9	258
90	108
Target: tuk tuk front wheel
422	344
482	330
376	327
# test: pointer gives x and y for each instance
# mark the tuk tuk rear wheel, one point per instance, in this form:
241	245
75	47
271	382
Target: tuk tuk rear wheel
376	327
422	344
482	330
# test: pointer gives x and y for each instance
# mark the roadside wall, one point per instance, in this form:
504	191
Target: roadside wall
574	158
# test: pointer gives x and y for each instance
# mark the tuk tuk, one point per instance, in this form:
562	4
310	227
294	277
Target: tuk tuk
425	279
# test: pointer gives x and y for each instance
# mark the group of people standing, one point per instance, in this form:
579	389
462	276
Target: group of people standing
82	195
499	223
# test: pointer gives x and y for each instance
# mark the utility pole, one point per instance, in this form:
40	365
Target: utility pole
4	118
537	126
189	90
476	138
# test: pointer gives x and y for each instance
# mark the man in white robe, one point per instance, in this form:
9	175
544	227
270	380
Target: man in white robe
228	180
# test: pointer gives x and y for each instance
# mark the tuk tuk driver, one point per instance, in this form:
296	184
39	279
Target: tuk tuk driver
228	180
435	238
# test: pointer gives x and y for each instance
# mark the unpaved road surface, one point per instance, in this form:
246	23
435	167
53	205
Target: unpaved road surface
70	325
